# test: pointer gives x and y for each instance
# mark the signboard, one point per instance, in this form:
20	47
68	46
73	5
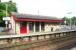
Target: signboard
6	18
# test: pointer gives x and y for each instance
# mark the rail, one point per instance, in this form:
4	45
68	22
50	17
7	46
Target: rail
34	39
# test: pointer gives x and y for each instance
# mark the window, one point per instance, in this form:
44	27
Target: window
31	27
42	26
37	26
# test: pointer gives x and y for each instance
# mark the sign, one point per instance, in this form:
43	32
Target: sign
6	18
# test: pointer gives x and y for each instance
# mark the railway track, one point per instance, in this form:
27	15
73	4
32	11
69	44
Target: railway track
45	41
38	44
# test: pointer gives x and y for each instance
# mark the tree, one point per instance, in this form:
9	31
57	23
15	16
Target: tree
73	19
11	7
0	0
67	20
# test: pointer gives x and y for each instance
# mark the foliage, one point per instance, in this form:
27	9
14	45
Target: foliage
73	19
67	20
11	7
70	20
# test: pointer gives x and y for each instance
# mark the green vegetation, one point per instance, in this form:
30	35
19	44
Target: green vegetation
11	7
70	20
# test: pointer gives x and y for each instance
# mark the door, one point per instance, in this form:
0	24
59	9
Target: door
23	28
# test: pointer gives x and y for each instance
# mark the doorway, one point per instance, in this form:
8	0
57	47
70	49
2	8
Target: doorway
23	28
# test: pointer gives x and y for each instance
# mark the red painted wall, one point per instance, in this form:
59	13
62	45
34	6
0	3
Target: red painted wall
23	29
37	20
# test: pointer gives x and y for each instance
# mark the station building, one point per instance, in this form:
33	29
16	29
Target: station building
27	23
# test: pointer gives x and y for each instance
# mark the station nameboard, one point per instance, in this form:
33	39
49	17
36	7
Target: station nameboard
6	18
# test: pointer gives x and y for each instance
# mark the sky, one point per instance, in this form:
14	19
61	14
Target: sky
57	8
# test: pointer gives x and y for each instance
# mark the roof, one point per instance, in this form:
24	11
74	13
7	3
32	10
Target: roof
33	17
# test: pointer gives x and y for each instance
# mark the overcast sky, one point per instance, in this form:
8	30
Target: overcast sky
58	8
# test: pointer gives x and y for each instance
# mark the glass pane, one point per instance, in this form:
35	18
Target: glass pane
31	25
42	26
37	26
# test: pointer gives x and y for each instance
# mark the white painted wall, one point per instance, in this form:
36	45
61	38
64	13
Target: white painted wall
18	27
48	27
27	27
12	25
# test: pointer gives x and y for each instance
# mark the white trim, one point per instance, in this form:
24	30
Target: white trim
40	27
34	27
27	27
